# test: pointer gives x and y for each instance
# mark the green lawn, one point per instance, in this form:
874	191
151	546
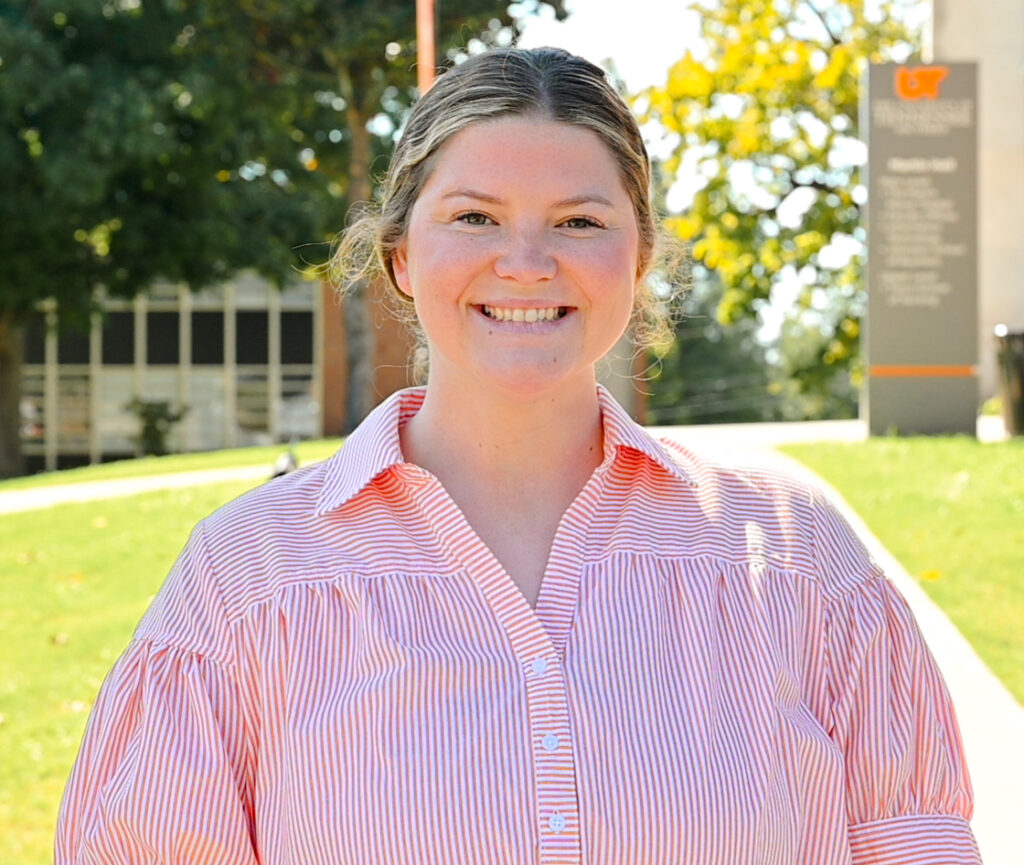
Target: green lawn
75	579
951	510
307	452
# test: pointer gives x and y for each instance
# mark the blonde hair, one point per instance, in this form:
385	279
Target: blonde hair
507	82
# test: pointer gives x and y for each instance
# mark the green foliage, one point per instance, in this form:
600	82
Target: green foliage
123	142
712	372
183	140
765	124
156	419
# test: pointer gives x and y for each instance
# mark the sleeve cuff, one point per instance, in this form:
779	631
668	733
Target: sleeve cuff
924	839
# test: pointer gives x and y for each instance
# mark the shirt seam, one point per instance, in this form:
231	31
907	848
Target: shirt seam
897	818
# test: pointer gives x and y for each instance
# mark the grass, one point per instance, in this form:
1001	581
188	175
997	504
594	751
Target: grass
951	510
75	579
73	584
307	452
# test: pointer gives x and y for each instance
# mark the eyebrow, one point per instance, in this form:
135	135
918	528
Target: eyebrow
573	201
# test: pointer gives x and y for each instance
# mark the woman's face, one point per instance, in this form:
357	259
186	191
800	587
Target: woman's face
520	256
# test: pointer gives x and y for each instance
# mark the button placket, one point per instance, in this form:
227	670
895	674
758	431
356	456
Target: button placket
554	762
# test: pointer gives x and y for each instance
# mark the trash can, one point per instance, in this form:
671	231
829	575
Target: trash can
1010	357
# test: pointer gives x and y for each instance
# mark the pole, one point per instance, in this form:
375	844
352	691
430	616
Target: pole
425	52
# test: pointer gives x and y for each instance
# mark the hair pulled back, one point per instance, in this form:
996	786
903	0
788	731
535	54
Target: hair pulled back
505	82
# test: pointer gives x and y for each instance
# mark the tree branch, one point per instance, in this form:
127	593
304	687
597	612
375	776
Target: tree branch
824	23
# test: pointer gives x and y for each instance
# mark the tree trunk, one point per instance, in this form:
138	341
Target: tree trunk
360	347
360	336
11	351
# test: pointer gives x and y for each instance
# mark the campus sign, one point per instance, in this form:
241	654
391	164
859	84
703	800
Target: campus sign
922	318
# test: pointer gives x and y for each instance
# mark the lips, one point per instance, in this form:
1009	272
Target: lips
524	314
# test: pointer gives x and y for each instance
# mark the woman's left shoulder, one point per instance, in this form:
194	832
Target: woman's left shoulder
781	509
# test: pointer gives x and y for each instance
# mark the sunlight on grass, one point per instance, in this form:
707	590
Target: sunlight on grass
952	512
73	585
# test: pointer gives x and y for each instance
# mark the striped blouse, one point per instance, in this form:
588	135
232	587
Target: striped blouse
337	670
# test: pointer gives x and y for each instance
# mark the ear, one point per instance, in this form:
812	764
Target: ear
400	266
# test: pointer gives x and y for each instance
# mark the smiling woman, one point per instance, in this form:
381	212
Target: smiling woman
503	624
521	257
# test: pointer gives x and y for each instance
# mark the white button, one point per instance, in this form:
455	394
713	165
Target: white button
550	742
540	666
557	822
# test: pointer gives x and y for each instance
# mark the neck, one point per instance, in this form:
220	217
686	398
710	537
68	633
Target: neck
507	442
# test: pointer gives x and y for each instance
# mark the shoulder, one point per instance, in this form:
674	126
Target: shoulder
771	508
264	539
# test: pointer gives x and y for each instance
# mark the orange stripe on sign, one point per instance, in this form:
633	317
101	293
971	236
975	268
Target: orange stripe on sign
923	371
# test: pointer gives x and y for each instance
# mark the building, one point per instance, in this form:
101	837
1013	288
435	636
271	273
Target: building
244	360
993	37
249	364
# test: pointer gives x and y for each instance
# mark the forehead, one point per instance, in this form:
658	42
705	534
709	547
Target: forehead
512	150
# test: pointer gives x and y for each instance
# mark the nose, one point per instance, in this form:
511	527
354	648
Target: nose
525	257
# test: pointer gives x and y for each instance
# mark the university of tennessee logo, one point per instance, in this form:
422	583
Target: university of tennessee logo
921	82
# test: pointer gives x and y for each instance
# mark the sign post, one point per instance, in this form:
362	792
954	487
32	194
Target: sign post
922	275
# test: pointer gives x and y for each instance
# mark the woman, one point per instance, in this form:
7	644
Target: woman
503	624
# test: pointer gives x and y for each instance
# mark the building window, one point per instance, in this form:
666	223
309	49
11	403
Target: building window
296	337
251	337
208	337
119	338
35	339
162	337
73	346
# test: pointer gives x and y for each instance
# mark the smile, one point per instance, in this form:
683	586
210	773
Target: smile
506	313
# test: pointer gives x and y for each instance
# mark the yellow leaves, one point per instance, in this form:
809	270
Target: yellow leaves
688	79
685	227
770	256
835	352
33	142
809	242
99	236
712	249
749	135
838	64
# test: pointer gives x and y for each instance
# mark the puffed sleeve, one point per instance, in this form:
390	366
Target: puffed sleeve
164	770
909	796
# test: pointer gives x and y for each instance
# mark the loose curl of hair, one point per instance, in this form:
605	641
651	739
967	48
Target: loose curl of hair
547	83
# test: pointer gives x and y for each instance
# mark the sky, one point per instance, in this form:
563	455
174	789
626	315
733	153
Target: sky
641	42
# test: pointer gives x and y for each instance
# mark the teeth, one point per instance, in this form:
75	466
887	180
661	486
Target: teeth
501	313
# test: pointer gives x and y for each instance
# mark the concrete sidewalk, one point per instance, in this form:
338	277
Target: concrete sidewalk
991	720
12	501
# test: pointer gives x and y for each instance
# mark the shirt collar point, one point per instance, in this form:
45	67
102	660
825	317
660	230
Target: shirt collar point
621	431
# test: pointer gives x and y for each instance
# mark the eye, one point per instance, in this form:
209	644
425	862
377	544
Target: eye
578	222
474	217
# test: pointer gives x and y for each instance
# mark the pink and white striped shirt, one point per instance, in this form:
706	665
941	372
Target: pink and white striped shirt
339	671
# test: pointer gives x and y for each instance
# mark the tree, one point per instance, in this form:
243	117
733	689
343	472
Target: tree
182	140
765	127
129	156
711	373
362	54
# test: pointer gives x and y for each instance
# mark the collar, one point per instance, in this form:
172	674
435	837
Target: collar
374	447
